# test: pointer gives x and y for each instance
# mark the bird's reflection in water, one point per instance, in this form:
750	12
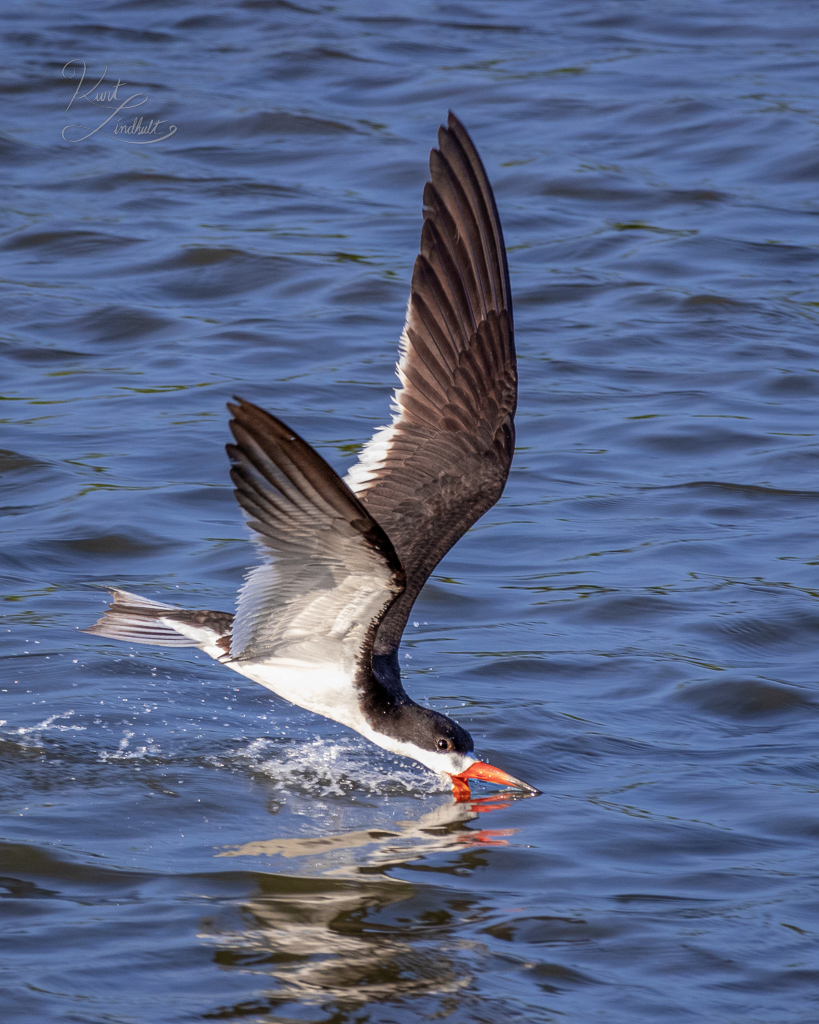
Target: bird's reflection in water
441	829
345	935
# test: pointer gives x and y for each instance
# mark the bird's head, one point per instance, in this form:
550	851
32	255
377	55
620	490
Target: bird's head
442	746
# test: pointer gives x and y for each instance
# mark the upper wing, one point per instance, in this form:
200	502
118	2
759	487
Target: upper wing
331	571
444	459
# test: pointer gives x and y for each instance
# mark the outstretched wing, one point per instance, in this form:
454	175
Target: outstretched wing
444	459
331	571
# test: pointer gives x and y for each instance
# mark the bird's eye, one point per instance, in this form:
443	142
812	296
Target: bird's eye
443	744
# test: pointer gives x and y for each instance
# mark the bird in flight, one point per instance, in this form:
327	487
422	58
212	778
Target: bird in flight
319	622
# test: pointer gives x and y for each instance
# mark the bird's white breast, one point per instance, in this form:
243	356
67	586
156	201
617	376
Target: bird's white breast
322	688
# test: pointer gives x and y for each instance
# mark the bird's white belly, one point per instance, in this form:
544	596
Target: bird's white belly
324	689
322	686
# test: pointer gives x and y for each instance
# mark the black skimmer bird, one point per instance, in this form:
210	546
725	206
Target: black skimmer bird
320	621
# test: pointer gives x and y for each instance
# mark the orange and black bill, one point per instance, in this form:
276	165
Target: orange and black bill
486	773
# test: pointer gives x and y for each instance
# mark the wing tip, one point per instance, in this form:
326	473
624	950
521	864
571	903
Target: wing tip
258	421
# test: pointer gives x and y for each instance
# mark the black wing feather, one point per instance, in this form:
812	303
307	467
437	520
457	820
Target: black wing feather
444	460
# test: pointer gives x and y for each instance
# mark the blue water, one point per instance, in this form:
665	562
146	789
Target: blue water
633	628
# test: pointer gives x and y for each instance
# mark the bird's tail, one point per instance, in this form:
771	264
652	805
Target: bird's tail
140	621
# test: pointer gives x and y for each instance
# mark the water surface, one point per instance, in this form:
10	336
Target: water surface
633	628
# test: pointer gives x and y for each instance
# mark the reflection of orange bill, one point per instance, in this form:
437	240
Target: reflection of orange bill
486	773
484	804
487	837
